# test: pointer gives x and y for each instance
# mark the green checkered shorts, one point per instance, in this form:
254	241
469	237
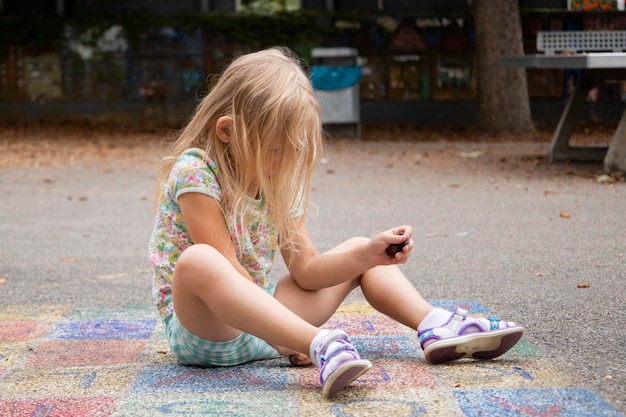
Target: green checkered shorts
189	349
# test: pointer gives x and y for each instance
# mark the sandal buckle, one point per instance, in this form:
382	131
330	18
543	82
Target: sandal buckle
461	312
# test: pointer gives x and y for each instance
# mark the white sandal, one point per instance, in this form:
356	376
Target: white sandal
473	337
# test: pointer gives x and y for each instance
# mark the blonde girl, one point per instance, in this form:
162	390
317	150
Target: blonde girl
234	191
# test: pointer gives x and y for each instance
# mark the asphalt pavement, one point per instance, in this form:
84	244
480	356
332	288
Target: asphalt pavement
540	244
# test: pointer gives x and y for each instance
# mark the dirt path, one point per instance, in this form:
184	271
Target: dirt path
56	145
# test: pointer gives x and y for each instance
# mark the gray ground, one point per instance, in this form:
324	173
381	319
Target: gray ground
493	222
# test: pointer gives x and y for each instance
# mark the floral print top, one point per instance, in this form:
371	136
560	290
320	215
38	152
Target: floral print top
193	173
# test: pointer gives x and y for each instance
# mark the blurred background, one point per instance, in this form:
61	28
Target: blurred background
150	61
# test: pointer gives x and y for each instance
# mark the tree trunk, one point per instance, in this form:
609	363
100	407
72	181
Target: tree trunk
503	104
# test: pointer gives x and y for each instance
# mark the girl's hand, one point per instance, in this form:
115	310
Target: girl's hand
296	358
299	359
393	246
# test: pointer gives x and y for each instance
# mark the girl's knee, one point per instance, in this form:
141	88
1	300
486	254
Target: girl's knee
198	251
196	261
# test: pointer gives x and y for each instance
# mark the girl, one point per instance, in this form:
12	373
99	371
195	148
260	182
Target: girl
235	190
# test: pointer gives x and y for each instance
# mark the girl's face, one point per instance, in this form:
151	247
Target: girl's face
272	164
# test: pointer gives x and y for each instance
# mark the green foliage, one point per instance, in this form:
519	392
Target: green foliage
269	6
48	31
280	28
299	29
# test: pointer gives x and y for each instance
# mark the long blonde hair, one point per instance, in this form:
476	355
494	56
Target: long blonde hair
273	109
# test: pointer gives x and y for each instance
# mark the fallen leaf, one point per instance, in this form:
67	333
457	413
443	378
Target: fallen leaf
564	214
68	259
432	235
583	285
3	281
548	192
604	178
106	277
471	155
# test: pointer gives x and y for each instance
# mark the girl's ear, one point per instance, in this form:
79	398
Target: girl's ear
224	128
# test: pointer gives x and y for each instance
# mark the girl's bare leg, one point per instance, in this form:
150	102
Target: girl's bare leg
390	292
385	288
316	306
214	302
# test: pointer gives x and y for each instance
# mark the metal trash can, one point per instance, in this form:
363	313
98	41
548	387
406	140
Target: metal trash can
335	78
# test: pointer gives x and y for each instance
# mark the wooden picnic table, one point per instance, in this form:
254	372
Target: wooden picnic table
595	68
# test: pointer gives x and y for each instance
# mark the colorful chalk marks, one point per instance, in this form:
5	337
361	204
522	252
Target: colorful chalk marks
107	360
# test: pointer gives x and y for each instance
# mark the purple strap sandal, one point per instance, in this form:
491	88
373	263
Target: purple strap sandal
469	337
339	362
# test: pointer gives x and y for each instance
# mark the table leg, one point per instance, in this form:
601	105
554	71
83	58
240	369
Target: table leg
560	150
615	159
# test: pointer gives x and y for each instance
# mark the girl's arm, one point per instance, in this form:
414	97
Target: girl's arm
205	222
313	271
